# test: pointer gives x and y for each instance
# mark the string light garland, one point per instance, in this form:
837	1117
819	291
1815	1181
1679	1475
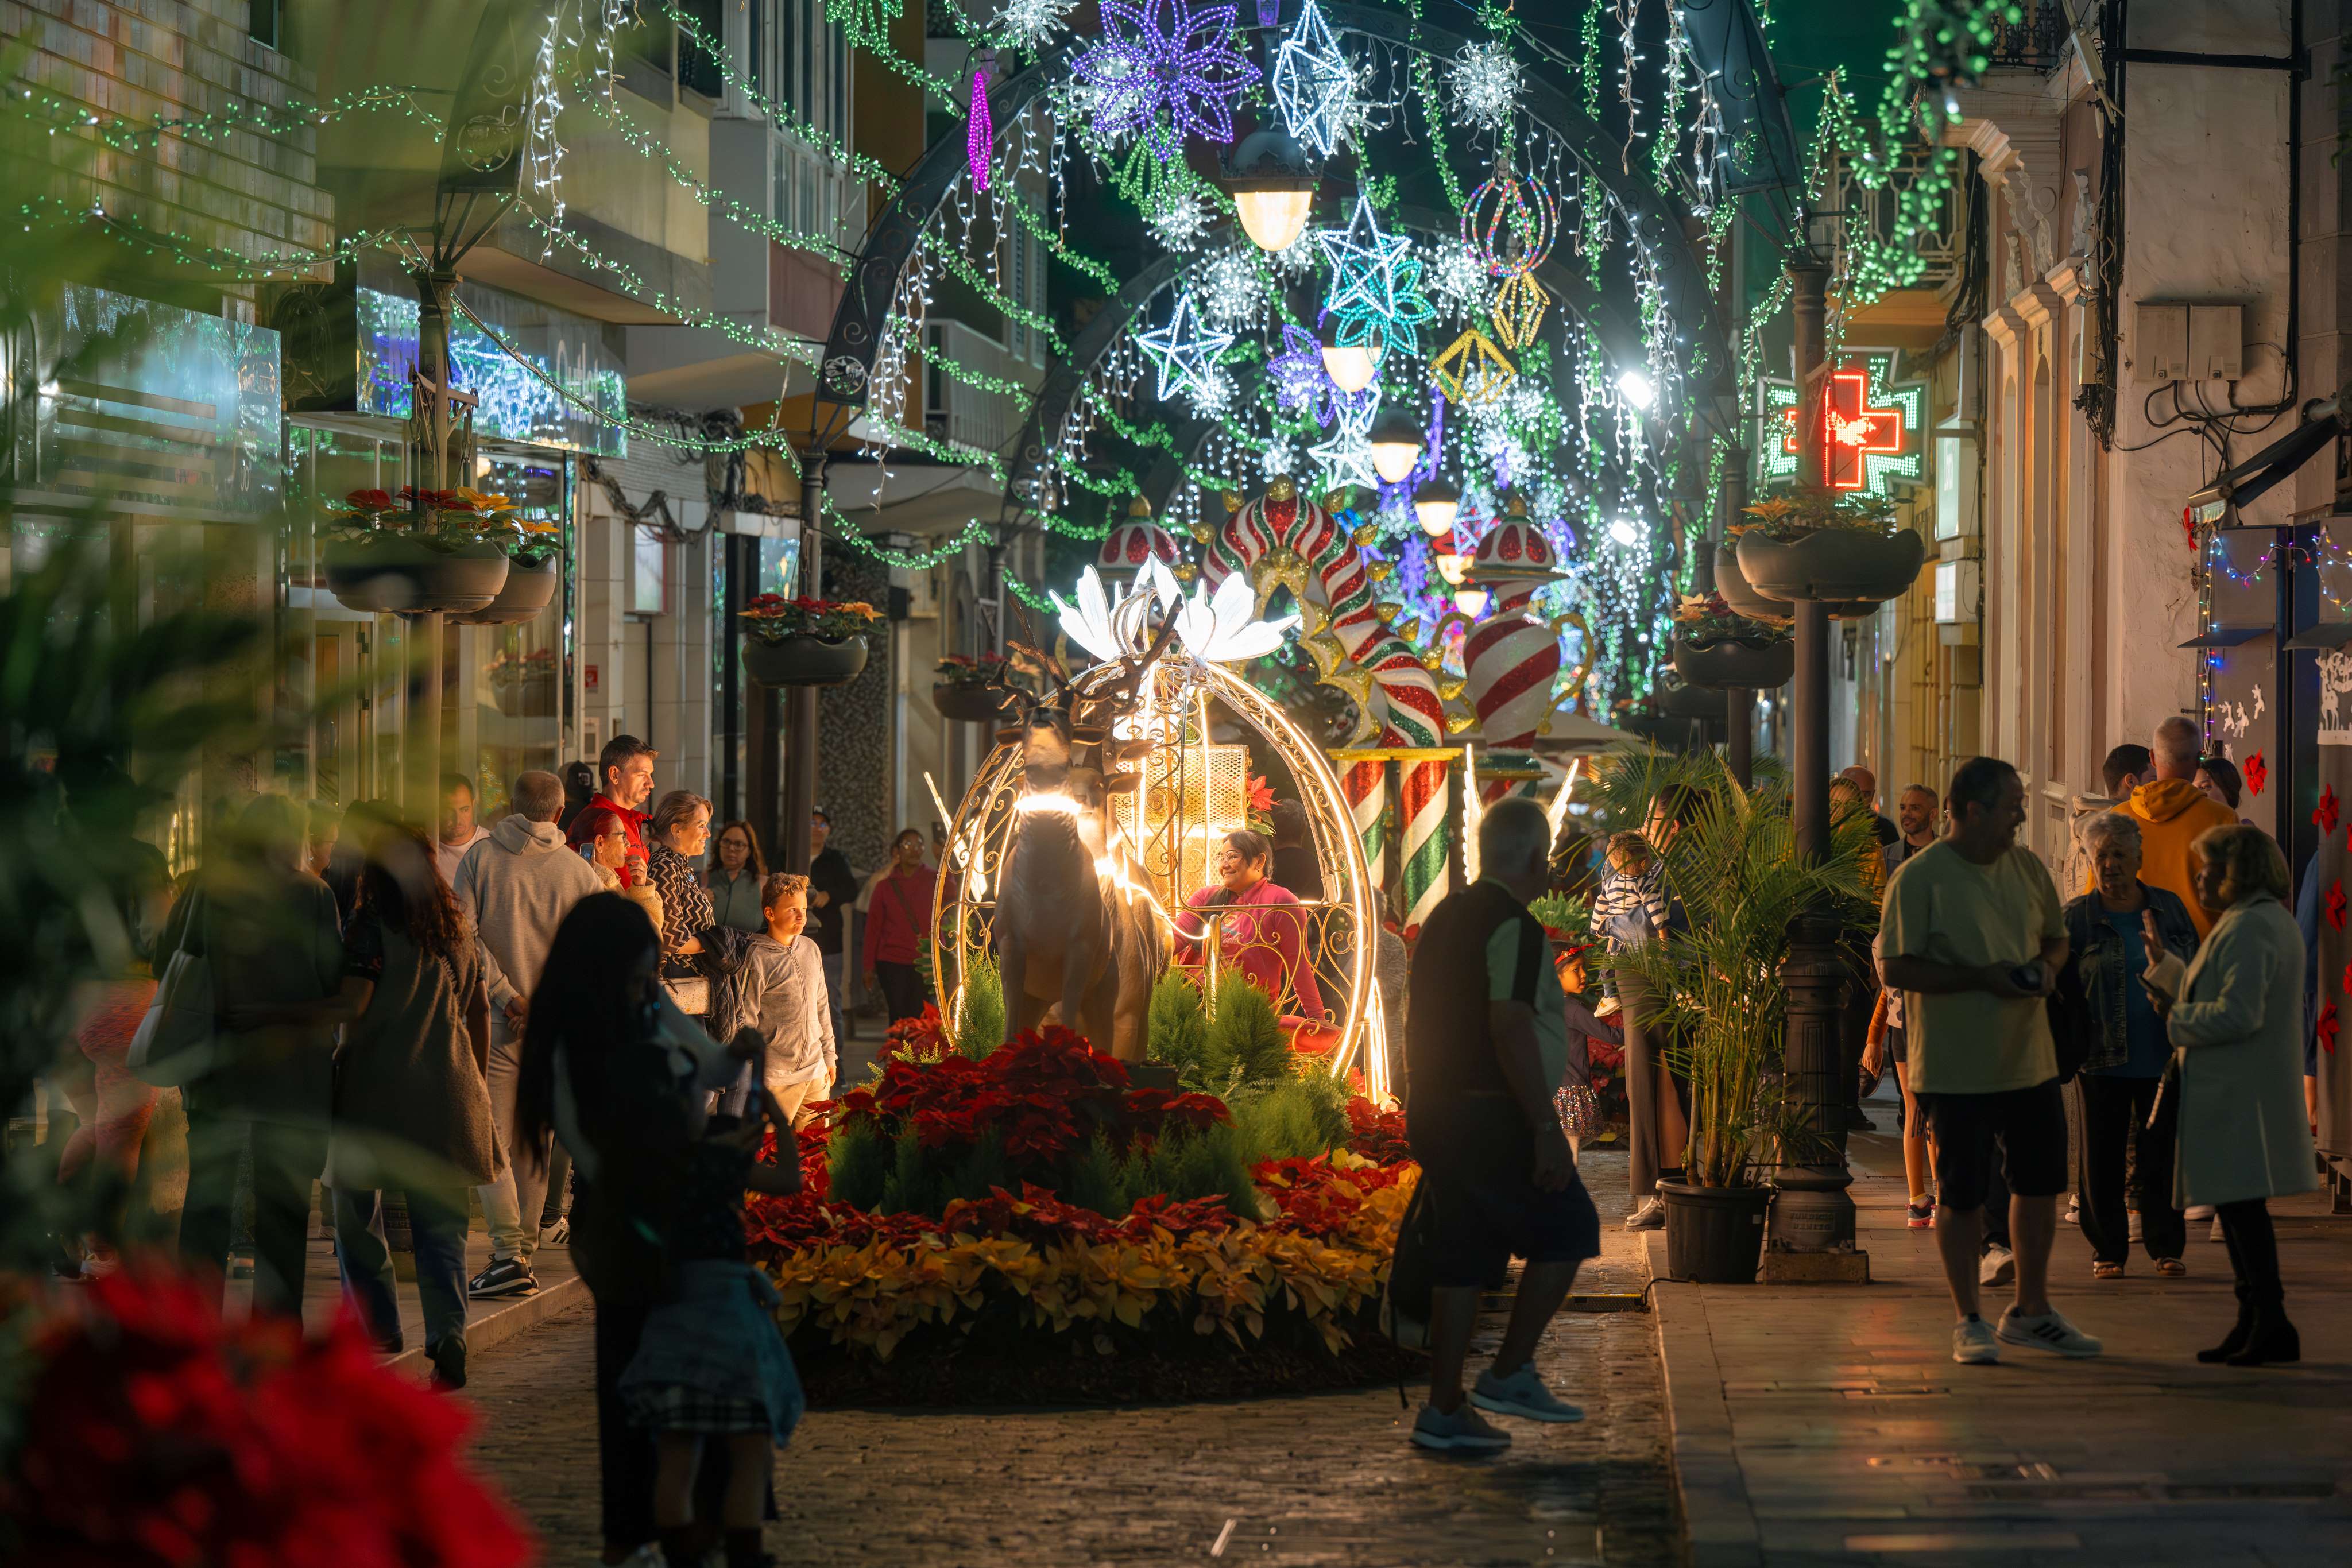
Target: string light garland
1164	70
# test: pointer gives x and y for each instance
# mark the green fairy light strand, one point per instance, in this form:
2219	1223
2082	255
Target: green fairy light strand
53	212
239	116
780	114
646	146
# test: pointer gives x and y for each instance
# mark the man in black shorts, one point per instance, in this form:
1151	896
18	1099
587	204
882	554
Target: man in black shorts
1486	1046
1973	935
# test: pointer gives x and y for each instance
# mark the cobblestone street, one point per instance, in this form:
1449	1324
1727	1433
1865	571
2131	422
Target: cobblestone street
1325	1478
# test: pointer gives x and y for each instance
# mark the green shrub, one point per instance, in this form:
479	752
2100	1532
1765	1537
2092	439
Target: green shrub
859	1164
1245	1040
1301	1116
1094	1179
1184	1164
1178	1034
982	1028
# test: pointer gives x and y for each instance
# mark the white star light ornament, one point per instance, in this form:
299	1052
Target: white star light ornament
1347	457
1185	349
1312	84
1375	283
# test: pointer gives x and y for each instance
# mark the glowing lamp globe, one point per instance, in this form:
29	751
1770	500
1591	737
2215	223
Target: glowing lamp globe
1396	440
1636	388
1471	601
1434	504
1352	368
1451	563
1272	187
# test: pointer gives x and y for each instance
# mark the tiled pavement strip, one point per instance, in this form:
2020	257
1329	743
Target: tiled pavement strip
1828	1424
1323	1479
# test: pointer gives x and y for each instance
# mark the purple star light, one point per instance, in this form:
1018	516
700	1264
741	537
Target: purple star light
1301	384
1163	54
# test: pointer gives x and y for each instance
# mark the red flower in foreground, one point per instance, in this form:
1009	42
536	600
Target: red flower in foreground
159	1435
2325	814
2327	1028
369	500
1375	1134
2334	904
2256	772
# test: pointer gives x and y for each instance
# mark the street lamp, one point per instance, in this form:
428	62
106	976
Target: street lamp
1622	530
1471	601
1272	187
1352	366
1435	503
1451	565
1396	441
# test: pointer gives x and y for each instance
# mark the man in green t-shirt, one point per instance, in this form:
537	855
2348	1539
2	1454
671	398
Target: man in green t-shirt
1973	934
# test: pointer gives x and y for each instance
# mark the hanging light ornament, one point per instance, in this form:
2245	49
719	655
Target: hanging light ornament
1483	84
1472	371
1375	286
1312	84
1229	290
982	135
1511	224
1027	24
1166	71
1186	352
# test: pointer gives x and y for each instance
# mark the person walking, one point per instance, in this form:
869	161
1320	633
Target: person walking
833	899
1914	825
898	919
2120	1042
2237	1030
2172	811
784	999
612	1069
738	872
514	889
679	833
1973	935
458	829
268	931
1485	1044
624	772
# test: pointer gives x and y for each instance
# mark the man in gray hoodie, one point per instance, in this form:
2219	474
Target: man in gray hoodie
515	886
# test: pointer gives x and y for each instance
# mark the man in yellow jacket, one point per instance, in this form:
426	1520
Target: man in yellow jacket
2171	812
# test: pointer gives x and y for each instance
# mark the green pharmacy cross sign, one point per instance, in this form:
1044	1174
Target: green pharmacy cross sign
1874	425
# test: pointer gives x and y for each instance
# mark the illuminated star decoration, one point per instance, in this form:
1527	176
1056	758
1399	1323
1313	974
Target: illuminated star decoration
1375	284
982	135
1186	350
1347	456
1312	85
1483	83
1162	55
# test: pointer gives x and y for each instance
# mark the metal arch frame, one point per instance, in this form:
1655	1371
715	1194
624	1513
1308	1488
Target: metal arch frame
1727	43
854	340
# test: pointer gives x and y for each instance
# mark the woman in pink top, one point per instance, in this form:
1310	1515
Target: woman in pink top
1261	929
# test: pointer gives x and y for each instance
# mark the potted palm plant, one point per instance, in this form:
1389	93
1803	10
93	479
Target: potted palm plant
1734	870
1846	548
413	554
804	642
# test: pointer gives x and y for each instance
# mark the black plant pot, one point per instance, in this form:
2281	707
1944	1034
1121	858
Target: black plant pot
1741	594
1762	665
389	573
1715	1235
1851	565
804	660
1687	703
528	590
968	704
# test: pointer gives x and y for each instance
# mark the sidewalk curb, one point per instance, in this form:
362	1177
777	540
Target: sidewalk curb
511	1317
1718	1521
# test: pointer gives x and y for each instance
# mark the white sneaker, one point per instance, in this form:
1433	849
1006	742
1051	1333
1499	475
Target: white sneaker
557	1234
2215	1234
1466	1429
2073	1215
1972	1343
1997	1266
2049	1331
1521	1393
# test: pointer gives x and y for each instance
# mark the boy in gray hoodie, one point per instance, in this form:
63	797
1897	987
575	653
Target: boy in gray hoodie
515	886
785	995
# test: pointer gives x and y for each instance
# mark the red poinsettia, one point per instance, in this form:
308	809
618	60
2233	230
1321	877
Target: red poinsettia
2325	814
1375	1134
2334	904
2327	1028
2256	772
369	501
1261	796
160	1435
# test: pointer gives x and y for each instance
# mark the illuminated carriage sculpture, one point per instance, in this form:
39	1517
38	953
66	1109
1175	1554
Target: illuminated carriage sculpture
1164	816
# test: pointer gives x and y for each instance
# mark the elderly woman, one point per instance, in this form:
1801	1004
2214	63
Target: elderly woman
1264	938
677	835
2237	1026
2120	1040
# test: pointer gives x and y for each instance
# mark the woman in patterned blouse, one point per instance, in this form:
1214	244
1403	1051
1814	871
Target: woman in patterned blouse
677	834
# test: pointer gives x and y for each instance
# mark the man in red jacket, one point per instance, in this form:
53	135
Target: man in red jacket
625	770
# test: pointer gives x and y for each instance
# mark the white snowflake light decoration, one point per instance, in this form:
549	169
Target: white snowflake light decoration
1228	288
1028	24
1280	456
1457	278
1180	224
1483	84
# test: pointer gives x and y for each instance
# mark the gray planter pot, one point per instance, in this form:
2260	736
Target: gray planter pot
1740	594
1760	666
402	577
804	661
967	704
1840	564
528	590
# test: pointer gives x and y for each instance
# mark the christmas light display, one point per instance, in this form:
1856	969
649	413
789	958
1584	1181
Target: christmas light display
1165	70
1375	284
1313	86
1186	350
1483	84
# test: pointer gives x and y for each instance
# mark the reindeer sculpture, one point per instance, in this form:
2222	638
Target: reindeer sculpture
1070	931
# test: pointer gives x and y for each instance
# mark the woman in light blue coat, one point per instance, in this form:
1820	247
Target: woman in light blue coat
2237	1027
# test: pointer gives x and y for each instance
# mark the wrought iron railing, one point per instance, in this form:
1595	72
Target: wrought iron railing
2037	41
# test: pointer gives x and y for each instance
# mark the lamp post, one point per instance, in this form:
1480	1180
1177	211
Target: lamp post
800	702
1738	701
1811	1235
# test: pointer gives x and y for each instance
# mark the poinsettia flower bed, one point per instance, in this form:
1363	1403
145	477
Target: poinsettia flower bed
1023	1291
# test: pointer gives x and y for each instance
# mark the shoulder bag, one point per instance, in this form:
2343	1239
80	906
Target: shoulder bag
174	1043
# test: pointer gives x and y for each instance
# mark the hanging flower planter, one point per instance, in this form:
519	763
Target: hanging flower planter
1685	703
804	661
406	575
967	704
1758	663
529	589
1740	594
1848	564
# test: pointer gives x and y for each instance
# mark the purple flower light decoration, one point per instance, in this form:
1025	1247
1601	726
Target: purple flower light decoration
1157	55
982	134
1301	384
